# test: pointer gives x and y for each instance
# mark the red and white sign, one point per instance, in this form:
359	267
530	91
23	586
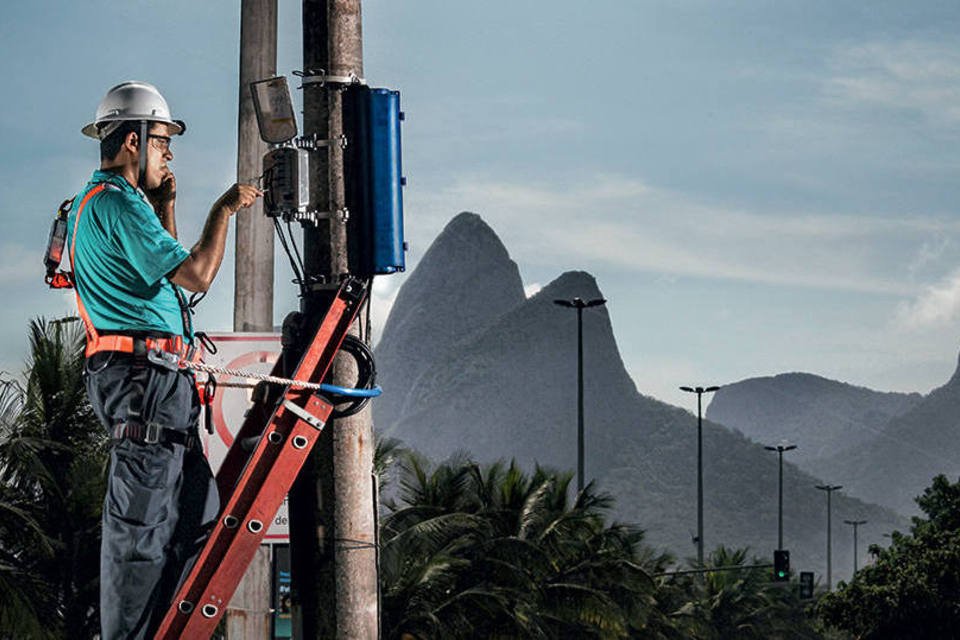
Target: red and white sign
257	353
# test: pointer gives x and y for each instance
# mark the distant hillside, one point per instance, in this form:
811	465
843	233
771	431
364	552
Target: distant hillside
893	468
499	381
820	416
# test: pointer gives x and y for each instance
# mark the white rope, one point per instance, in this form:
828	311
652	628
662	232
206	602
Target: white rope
206	368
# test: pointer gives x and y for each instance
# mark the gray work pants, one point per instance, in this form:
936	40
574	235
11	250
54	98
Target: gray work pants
161	499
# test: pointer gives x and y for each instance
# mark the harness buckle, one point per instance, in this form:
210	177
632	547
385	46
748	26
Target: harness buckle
164	359
152	433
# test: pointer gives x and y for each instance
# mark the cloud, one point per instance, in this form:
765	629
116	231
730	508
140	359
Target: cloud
923	77
938	305
532	289
622	222
929	254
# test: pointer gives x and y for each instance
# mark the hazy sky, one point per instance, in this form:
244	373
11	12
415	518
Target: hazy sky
758	187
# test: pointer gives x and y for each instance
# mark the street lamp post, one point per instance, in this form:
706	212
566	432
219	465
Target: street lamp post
699	391
780	449
579	305
856	525
829	488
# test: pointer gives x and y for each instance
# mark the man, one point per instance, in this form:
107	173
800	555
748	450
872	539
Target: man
128	269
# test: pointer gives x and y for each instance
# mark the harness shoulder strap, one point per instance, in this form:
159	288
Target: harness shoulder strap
92	335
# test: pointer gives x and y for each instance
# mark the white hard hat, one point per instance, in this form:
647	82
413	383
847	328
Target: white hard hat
131	101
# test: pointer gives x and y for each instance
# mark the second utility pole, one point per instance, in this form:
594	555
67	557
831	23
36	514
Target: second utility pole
250	615
334	557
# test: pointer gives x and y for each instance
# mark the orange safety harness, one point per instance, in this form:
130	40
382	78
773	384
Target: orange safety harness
171	353
184	353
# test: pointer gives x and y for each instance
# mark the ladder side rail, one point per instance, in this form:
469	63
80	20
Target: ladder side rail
260	492
332	332
258	415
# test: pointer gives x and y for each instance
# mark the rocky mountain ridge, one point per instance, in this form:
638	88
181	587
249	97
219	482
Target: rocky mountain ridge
499	381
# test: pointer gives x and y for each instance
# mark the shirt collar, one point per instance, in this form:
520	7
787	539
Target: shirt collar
101	175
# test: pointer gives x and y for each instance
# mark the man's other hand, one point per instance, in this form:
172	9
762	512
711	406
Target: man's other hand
166	192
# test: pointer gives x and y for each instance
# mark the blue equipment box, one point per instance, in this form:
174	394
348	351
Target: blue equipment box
374	180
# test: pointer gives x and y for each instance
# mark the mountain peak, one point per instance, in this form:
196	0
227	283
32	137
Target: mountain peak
572	284
468	232
463	283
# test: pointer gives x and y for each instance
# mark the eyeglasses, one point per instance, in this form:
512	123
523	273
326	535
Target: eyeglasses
163	142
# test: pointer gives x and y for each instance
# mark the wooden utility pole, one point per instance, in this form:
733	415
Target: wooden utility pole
337	596
253	264
249	613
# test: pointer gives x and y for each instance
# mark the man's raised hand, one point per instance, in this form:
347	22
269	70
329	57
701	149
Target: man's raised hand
239	196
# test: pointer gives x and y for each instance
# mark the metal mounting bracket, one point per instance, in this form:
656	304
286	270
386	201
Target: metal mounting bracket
312	143
313	77
342	214
304	415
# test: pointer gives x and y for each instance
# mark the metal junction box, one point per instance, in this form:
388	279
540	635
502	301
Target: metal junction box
286	178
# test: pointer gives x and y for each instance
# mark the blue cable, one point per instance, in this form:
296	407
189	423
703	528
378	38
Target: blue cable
351	393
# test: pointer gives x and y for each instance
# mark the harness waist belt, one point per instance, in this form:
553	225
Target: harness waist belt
152	433
127	344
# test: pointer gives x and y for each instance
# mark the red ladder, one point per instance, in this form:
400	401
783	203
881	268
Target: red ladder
258	482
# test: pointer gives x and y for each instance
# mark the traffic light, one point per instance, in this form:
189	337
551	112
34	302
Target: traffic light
806	585
781	565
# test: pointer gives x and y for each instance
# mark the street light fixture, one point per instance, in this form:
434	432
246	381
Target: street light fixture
699	391
780	449
856	525
579	304
829	488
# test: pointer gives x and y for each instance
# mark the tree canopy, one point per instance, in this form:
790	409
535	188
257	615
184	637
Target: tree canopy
911	590
52	461
472	551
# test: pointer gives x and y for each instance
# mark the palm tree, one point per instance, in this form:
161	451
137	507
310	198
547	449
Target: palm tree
743	604
493	552
52	460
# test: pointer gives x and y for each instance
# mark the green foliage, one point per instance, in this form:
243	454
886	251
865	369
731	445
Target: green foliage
911	589
52	457
493	552
744	604
496	553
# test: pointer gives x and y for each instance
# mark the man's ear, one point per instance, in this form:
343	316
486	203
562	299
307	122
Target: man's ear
133	140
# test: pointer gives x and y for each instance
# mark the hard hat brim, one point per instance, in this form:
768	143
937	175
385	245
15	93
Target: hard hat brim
91	130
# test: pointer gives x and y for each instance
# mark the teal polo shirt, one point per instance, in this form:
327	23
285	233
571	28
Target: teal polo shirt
123	254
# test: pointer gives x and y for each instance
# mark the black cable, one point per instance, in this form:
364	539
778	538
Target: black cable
368	304
296	250
298	276
366	374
